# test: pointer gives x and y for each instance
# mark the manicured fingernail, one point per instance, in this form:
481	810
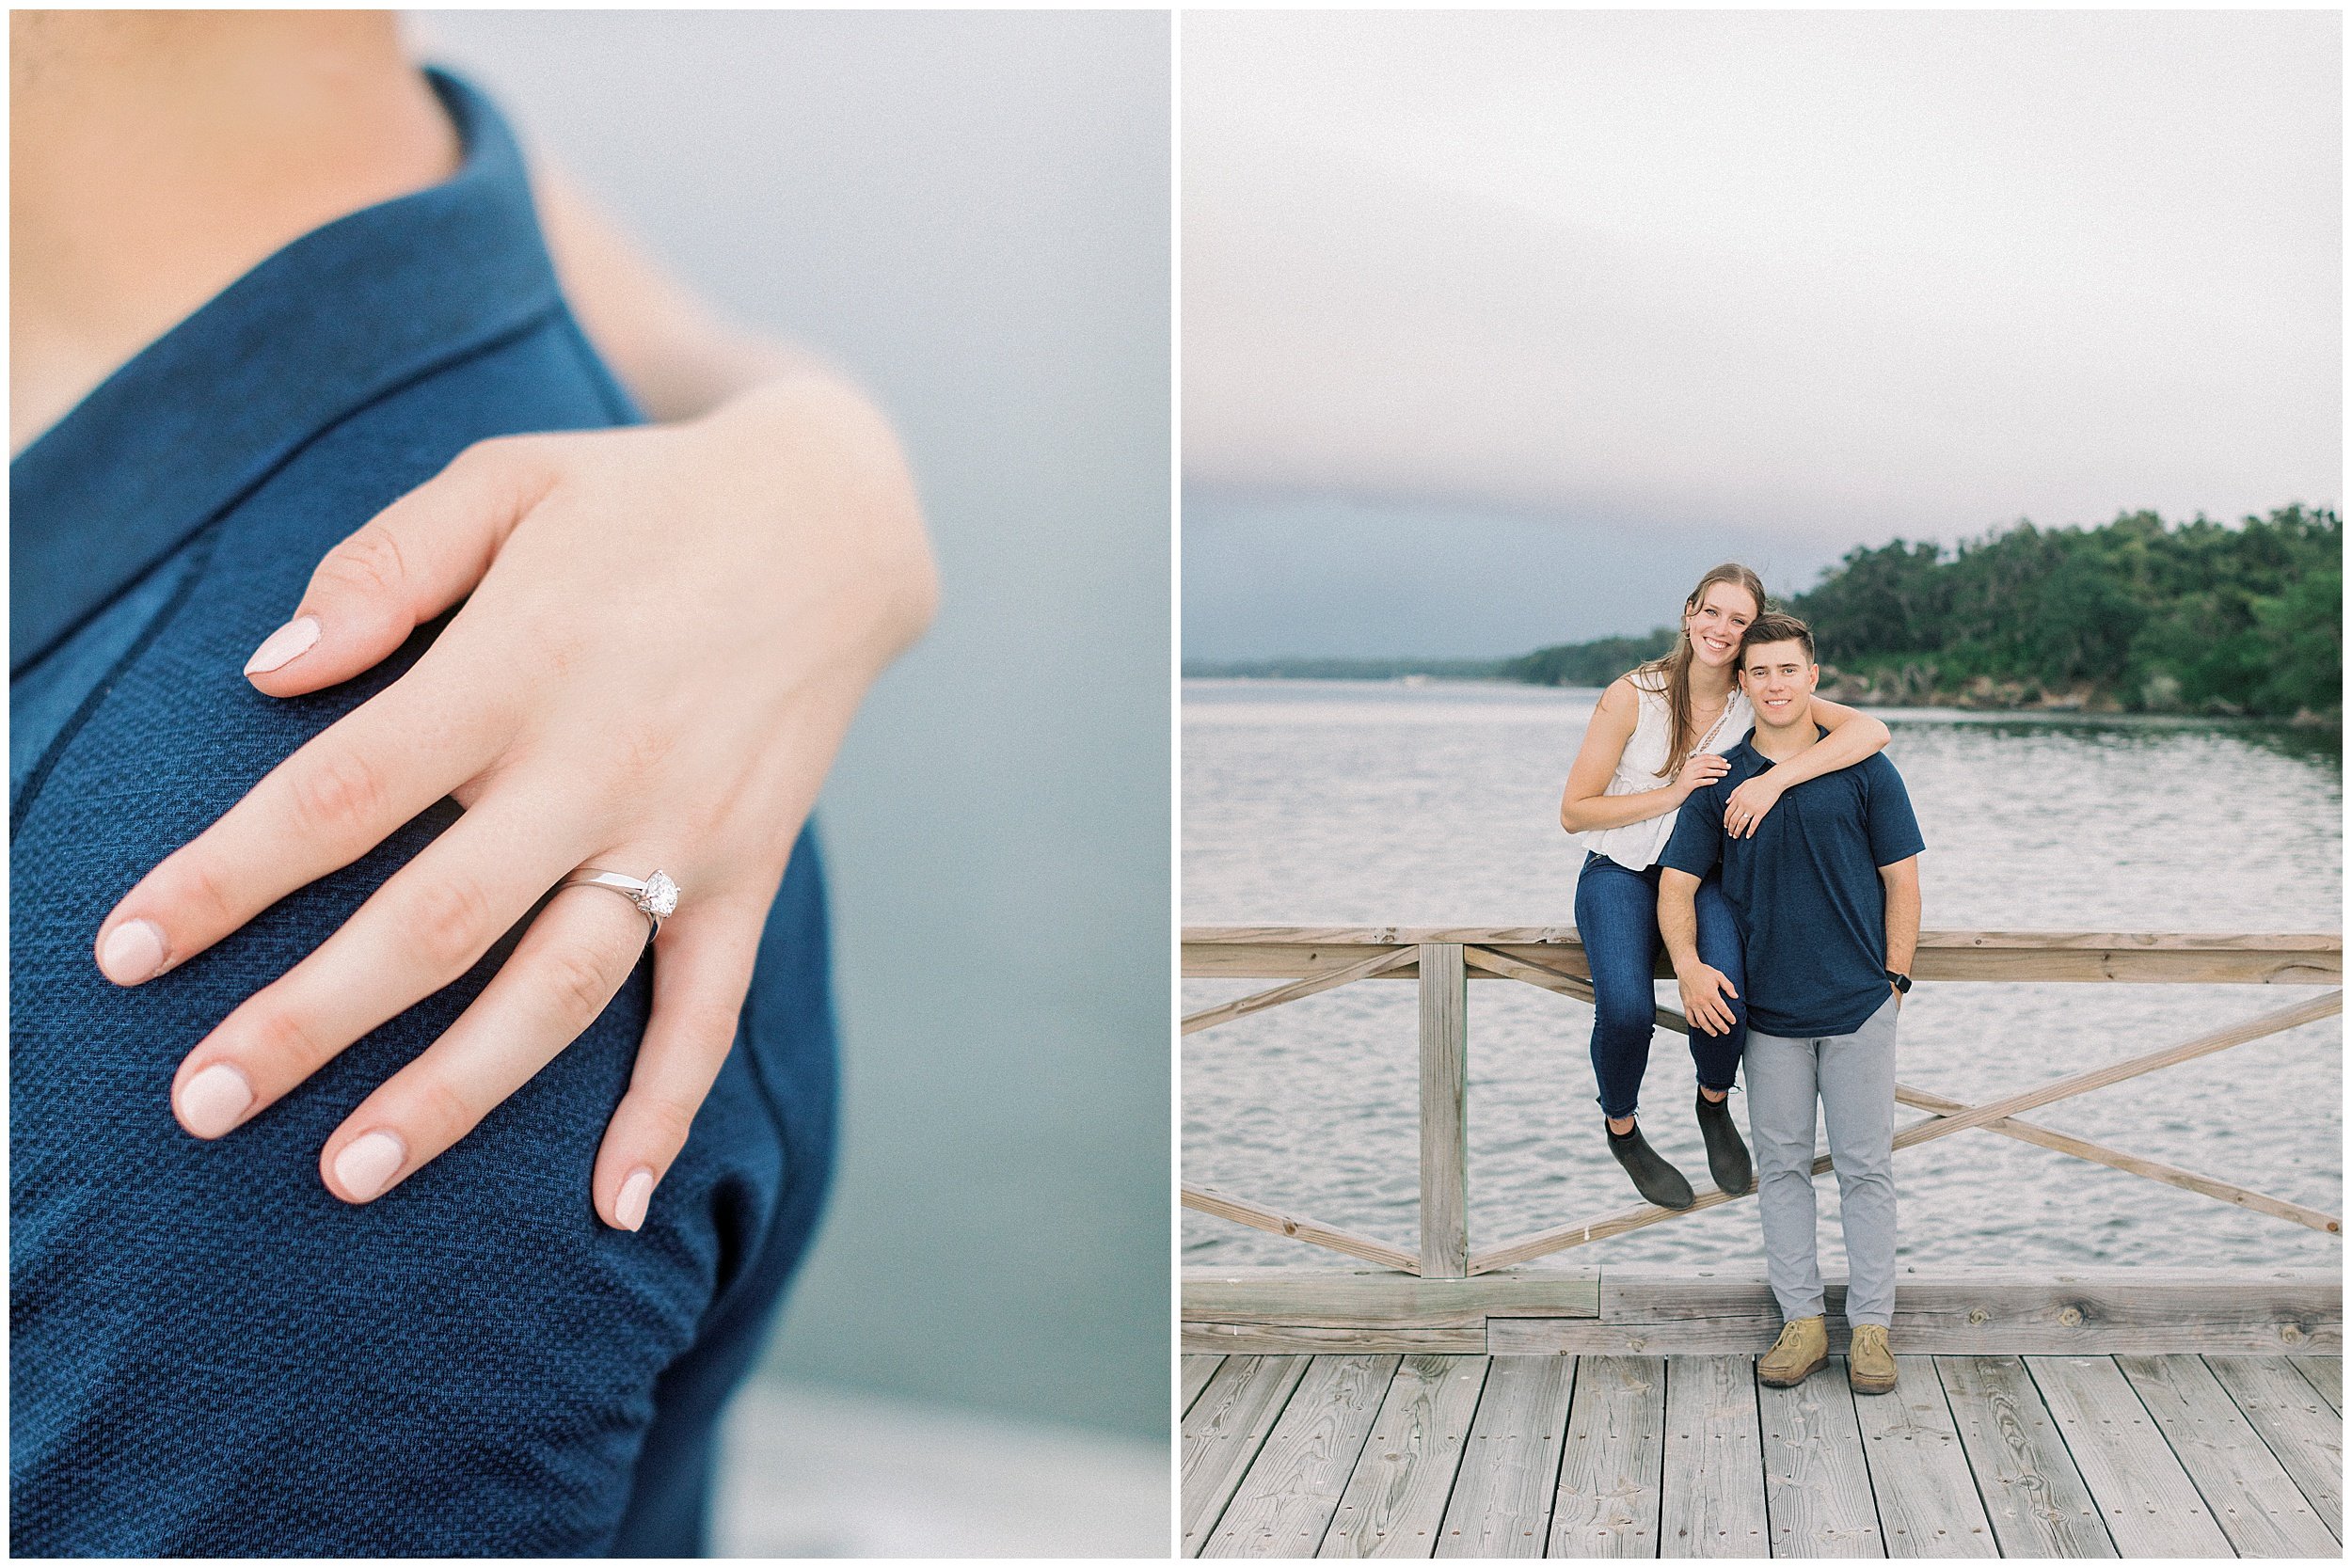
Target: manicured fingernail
284	645
211	1103
629	1208
133	951
367	1163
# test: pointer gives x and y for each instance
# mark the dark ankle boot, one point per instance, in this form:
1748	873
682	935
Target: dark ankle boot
1727	1156
1653	1178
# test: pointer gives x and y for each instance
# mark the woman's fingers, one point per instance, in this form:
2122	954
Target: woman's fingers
701	972
577	953
412	561
425	927
339	796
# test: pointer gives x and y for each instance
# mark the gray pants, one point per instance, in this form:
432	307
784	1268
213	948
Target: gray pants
1853	1078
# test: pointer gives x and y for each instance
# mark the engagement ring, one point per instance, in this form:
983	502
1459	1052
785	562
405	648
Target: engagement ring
656	898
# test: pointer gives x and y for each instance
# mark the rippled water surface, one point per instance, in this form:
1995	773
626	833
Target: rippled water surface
1348	803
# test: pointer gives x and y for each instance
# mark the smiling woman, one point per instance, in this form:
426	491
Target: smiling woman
327	285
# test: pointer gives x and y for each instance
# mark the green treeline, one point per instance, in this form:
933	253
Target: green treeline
2198	617
1594	663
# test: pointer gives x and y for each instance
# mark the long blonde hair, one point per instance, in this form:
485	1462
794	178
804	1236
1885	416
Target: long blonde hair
1674	668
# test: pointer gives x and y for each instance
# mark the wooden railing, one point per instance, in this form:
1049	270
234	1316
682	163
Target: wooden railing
1442	960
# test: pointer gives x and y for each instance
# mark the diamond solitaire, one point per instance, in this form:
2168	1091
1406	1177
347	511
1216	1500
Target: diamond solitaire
656	898
659	897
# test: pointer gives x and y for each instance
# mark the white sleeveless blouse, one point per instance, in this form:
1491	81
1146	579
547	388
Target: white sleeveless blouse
1637	846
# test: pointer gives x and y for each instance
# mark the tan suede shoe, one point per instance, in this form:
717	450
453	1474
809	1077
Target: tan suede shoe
1801	1349
1870	1365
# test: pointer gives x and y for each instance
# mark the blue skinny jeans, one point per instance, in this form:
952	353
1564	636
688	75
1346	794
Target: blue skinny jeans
1616	915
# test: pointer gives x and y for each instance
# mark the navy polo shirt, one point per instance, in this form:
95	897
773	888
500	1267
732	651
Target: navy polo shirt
210	1354
1806	887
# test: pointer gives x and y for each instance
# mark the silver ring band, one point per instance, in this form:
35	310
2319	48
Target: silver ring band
656	898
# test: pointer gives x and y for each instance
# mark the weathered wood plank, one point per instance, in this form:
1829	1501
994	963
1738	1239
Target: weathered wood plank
1286	1500
1197	1371
1565	937
2132	1165
2034	1496
1242	1006
1613	1462
1502	1502
1444	1112
2146	1499
1284	1339
2326	1373
1987	1312
1628	1311
1297	1226
1487	962
1816	1486
1926	1499
1365	1298
2300	1428
2307	959
1712	1494
1395	1500
1224	1431
2248	1493
1600	1227
2098	1312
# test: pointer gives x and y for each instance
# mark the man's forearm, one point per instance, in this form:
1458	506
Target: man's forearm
1902	926
1678	918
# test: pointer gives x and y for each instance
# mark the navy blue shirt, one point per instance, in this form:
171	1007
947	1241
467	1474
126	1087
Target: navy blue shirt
211	1353
1806	887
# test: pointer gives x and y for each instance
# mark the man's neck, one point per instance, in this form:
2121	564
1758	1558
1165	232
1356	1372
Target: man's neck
1778	743
156	156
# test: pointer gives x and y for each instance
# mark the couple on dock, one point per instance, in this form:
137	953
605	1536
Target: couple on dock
1760	834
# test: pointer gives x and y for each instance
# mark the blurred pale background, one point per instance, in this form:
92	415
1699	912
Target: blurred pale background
970	211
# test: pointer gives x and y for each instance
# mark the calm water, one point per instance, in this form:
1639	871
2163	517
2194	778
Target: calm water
1333	802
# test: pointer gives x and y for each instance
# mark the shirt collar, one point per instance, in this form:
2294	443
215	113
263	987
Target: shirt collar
1746	749
206	412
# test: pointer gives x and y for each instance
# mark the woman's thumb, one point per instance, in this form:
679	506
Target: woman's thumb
412	561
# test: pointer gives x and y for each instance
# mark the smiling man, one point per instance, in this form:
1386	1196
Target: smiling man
1827	894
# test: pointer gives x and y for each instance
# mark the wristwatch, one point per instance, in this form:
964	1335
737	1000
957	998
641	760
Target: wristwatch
1901	982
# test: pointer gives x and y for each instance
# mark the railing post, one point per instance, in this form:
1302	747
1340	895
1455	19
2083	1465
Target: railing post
1444	1112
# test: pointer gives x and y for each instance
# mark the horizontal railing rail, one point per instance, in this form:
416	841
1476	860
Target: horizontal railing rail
1443	960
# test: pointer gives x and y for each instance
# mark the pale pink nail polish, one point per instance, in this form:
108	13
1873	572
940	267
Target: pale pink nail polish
212	1100
367	1163
630	1207
284	645
133	951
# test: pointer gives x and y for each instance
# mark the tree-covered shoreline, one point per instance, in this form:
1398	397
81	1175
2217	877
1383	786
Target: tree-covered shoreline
2136	615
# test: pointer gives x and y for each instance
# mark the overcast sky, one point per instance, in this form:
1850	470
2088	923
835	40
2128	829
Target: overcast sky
1829	276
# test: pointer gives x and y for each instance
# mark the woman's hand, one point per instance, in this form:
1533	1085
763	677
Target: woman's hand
1750	803
1703	768
669	631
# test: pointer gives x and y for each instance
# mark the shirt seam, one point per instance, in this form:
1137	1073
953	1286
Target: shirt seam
448	360
207	538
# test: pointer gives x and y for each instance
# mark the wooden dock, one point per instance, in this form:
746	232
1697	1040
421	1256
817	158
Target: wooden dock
1446	1401
1687	1456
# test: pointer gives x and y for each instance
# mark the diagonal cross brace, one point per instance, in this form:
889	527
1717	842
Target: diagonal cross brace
1957	1120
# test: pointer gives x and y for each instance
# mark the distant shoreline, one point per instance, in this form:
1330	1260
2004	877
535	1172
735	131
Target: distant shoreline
1982	697
1312	669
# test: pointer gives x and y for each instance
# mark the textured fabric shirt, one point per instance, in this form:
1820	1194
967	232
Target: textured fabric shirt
211	1353
1805	887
